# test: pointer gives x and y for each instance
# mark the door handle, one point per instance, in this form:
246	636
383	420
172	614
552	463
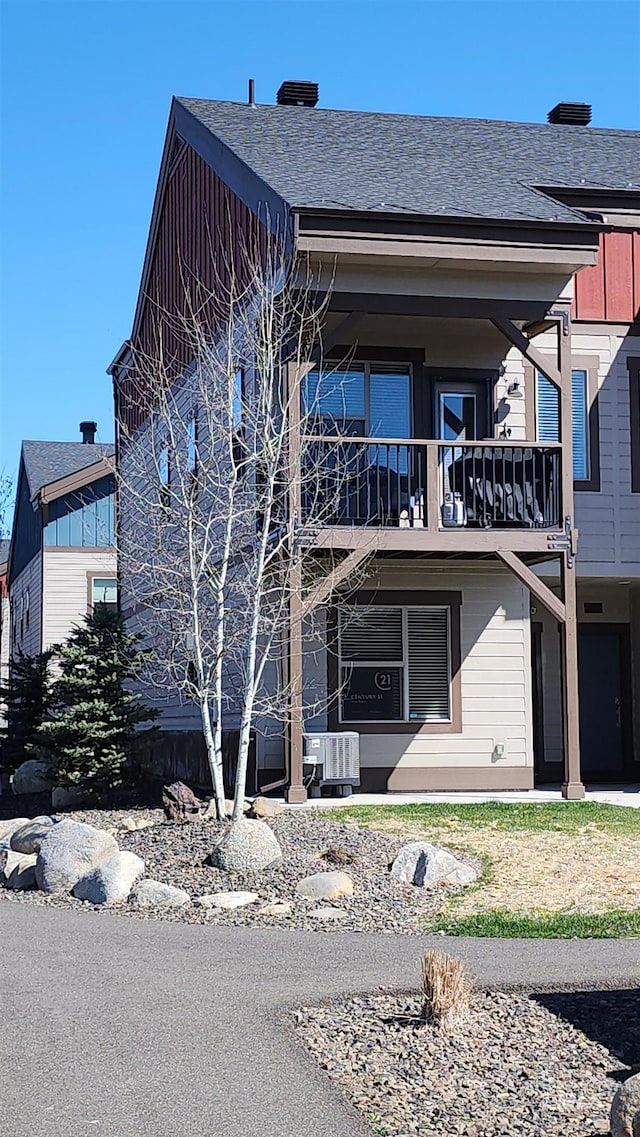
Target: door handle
618	713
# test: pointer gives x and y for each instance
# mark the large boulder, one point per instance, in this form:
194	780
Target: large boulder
8	828
248	846
263	807
19	870
70	851
154	894
325	886
31	777
111	880
180	803
29	837
68	797
625	1109
426	865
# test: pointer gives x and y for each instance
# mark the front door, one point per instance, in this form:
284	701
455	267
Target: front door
603	671
460	411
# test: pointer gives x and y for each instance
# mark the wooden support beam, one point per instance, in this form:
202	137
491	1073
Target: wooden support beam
322	591
518	339
540	590
338	335
296	791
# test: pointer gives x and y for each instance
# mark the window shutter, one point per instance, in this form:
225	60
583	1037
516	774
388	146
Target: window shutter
429	666
371	634
548	409
548	418
580	419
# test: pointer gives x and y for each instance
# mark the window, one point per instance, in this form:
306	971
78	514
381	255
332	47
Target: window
238	396
548	418
83	518
395	664
104	590
26	608
372	400
192	445
163	474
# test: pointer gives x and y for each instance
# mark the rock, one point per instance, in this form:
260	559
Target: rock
227	899
325	886
263	807
70	851
278	908
68	797
180	803
31	777
19	870
153	893
8	828
111	880
248	846
426	865
29	837
135	824
328	913
625	1109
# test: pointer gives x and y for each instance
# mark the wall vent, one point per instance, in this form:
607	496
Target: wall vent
593	608
570	114
297	93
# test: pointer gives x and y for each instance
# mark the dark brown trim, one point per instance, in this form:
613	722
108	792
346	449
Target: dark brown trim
404	598
414	359
99	469
444	779
357	223
98	574
633	366
389	304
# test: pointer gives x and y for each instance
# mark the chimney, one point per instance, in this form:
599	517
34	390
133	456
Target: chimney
297	93
88	431
570	114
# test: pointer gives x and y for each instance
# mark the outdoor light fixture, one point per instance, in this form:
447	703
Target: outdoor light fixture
514	390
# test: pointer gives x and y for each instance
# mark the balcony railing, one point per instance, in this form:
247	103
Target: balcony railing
422	483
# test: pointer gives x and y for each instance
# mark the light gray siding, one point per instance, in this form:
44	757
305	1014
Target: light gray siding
66	587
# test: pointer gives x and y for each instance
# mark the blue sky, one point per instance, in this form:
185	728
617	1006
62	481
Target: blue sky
86	88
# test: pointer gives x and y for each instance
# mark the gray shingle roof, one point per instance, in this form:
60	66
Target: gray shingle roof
47	462
389	163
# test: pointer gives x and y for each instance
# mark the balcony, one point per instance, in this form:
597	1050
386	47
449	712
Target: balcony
434	494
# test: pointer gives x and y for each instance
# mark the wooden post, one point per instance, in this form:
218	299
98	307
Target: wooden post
572	786
296	791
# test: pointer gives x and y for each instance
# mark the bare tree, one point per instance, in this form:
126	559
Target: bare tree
212	535
6	500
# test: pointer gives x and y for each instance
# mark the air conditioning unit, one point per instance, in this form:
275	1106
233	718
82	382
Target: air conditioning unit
332	759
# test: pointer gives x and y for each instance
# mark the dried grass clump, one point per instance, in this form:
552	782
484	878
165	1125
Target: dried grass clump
447	990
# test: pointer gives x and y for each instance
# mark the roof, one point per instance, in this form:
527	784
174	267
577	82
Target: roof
47	462
5	545
318	159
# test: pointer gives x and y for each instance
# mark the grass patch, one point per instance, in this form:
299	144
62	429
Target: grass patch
562	817
502	924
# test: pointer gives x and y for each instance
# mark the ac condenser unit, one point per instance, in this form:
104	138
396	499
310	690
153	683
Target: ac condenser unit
333	758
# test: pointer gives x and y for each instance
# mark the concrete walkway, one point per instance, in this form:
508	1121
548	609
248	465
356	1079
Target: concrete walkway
131	1028
605	795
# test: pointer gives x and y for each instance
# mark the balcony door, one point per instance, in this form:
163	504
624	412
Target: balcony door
461	411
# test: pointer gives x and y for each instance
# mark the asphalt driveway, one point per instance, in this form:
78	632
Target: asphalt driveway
130	1028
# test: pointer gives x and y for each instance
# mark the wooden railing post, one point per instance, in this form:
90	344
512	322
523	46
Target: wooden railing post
433	486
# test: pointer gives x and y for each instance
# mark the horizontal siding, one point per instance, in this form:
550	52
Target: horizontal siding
29	579
65	588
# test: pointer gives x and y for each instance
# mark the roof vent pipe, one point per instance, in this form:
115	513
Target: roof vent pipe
88	431
297	93
570	114
252	93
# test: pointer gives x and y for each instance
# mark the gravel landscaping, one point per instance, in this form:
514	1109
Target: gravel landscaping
176	855
520	1065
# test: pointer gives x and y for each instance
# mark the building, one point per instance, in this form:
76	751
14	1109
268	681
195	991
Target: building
486	290
5	622
62	556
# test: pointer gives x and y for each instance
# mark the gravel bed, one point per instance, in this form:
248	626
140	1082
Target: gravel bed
540	1066
310	843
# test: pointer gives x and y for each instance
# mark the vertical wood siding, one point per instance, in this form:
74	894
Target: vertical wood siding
30	579
206	238
610	290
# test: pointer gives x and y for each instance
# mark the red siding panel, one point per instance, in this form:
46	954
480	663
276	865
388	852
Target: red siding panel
636	275
204	235
618	275
589	302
